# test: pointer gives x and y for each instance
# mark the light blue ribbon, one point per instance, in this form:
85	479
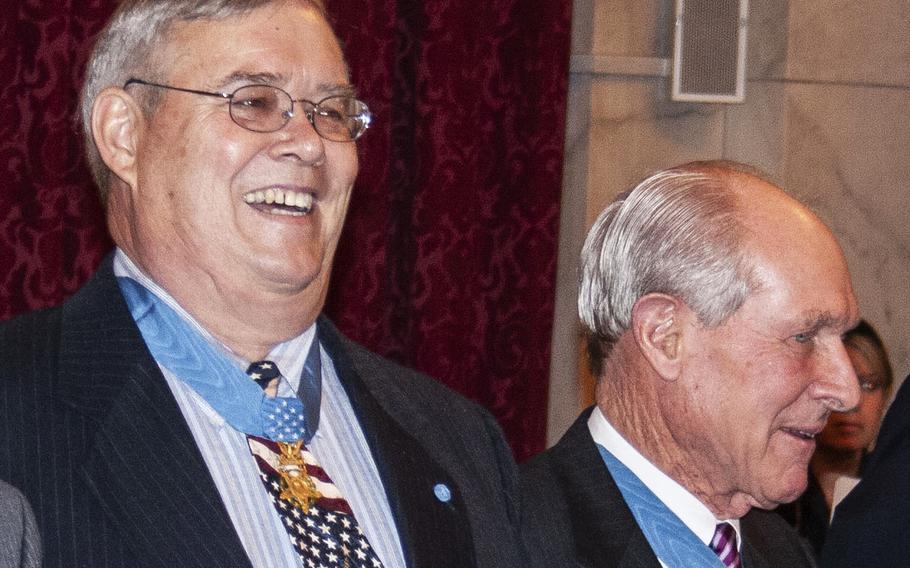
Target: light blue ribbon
670	538
218	380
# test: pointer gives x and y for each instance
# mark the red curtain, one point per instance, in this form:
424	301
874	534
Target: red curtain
448	259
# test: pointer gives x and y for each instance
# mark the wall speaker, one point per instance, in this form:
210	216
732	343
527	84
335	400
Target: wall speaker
709	51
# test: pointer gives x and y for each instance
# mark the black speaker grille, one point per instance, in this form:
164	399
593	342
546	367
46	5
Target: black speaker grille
710	32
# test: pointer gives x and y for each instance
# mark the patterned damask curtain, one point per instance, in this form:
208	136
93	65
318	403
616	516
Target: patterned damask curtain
448	259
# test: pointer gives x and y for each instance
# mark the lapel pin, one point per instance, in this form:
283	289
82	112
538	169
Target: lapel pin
442	492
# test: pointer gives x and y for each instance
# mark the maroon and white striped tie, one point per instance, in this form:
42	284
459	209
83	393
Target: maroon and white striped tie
724	545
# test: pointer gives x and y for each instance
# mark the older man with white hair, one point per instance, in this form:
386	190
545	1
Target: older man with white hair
714	305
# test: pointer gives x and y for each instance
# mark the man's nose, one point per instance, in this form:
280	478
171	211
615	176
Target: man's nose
298	140
837	383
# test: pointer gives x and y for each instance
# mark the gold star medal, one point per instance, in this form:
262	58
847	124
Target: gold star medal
297	487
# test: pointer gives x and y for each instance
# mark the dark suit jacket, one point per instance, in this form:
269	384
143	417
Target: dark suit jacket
809	515
870	525
90	432
20	545
574	515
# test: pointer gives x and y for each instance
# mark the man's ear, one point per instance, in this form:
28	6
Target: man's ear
657	326
116	124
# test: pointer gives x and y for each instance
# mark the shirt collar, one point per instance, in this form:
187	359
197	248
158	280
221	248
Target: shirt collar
693	513
290	355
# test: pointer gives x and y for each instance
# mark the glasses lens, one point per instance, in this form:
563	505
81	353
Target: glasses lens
341	118
260	108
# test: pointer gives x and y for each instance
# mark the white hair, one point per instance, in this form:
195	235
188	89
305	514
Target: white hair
678	233
127	47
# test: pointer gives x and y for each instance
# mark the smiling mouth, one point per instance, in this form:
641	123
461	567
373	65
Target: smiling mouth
281	202
802	434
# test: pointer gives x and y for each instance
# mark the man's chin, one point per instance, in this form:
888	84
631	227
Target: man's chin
782	495
779	489
293	274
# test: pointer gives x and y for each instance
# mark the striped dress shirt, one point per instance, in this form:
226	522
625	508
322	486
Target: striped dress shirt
339	445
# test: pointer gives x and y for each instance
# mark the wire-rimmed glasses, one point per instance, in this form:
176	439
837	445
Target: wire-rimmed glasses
266	108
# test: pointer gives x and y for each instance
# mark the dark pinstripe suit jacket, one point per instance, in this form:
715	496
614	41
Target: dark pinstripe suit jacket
92	435
574	515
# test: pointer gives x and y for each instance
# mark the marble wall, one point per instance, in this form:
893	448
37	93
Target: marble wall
827	113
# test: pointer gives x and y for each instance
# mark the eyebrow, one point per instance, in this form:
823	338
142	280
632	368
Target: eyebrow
821	320
266	78
250	77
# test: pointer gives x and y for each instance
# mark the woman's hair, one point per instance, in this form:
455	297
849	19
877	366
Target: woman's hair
864	340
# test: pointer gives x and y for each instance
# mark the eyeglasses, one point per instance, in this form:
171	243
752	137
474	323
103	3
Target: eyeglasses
265	108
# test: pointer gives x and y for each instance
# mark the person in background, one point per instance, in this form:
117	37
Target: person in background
869	526
191	406
20	545
714	305
843	445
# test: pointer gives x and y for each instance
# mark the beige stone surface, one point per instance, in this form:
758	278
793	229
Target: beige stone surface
627	27
827	114
636	129
851	42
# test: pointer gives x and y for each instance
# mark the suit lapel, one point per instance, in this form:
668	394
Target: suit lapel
433	533
606	534
144	467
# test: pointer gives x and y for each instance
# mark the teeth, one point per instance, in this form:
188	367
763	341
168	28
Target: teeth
802	434
300	200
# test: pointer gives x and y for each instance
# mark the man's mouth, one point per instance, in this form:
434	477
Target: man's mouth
278	201
802	434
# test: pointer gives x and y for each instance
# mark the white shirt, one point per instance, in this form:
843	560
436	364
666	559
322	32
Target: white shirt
339	445
693	513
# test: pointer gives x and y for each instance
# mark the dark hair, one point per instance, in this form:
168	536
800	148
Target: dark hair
864	339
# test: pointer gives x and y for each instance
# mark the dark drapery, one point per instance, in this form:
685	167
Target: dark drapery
448	258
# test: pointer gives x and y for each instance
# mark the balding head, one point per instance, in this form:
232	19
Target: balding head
726	349
677	232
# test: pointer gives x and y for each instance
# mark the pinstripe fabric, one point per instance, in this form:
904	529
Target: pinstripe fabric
339	446
92	435
73	452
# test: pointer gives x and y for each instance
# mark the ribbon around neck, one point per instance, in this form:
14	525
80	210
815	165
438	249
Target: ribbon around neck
212	374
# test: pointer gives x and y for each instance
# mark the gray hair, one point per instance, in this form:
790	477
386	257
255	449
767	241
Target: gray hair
677	232
127	48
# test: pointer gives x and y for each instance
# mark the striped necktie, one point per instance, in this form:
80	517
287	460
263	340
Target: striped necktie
724	545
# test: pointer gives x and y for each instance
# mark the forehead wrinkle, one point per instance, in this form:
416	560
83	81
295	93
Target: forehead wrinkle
338	89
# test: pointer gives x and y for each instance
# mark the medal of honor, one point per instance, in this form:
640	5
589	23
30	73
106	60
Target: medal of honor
297	487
